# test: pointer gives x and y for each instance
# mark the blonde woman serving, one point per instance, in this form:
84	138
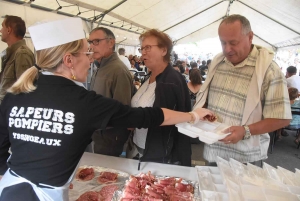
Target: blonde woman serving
48	118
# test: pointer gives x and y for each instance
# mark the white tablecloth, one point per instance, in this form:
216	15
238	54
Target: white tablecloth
131	166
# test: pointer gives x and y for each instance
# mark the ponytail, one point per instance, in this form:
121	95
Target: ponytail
25	82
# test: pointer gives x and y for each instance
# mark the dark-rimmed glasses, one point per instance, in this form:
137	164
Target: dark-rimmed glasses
147	48
96	41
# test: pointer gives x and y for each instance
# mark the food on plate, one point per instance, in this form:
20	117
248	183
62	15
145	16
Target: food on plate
107	192
85	174
210	118
90	196
107	177
145	187
71	186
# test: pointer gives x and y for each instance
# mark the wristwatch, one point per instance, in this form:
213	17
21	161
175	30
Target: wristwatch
247	134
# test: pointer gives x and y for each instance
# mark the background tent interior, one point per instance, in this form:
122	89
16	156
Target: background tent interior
276	23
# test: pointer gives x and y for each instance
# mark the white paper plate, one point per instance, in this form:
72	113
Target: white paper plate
208	132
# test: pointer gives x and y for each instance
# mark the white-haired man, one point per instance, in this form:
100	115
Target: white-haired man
247	91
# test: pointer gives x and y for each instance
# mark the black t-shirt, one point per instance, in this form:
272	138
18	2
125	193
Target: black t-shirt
49	128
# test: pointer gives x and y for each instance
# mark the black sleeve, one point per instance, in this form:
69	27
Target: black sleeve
109	112
137	117
4	139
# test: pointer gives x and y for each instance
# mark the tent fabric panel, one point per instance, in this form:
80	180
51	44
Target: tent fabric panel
53	4
104	4
167	13
265	28
133	8
198	21
210	31
286	12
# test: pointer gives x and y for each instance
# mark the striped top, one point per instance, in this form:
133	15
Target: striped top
227	98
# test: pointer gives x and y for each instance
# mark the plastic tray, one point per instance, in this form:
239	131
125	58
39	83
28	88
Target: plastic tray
208	132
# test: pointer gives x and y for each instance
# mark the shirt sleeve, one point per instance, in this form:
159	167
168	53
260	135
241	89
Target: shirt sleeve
4	140
109	112
276	103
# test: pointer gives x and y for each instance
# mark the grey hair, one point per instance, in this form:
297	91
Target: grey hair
121	51
109	34
246	27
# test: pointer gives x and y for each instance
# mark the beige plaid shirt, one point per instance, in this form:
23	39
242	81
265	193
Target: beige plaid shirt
227	96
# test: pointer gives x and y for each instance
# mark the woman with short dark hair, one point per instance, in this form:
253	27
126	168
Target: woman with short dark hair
164	87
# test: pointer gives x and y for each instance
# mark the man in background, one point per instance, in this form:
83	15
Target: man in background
17	57
123	58
112	79
292	79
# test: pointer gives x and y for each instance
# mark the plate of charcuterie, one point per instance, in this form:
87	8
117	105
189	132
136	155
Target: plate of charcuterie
96	183
146	187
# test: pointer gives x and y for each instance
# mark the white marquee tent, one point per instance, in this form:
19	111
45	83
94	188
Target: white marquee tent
276	23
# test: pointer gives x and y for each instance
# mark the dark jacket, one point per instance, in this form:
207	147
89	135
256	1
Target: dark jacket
18	58
165	144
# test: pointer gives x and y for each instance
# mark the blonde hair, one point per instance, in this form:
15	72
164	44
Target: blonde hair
47	59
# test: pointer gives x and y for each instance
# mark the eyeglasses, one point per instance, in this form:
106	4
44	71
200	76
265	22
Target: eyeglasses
147	48
88	54
96	41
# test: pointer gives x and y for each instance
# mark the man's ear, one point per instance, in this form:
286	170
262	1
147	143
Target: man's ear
9	30
112	42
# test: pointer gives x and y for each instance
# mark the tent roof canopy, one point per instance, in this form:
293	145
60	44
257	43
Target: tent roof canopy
275	23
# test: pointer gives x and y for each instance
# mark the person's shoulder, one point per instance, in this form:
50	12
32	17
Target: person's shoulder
24	49
274	69
296	104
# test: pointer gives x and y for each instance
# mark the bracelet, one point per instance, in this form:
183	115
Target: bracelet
195	118
192	119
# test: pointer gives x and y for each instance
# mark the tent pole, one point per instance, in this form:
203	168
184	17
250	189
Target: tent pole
198	29
266	42
192	16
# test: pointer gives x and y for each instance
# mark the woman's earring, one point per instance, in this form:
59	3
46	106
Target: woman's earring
73	76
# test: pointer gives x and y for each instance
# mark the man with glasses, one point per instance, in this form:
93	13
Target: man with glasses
112	79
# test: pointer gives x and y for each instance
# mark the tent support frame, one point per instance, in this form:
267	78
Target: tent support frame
192	16
269	17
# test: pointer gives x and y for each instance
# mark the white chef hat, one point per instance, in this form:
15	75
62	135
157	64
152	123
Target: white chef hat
56	33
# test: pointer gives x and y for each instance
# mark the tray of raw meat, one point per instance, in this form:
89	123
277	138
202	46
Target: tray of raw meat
96	183
148	187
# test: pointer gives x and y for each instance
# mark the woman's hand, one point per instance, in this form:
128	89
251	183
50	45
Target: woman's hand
205	114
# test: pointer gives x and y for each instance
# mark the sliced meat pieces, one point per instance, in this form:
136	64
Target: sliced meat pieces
107	177
107	192
145	187
90	196
85	174
184	187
